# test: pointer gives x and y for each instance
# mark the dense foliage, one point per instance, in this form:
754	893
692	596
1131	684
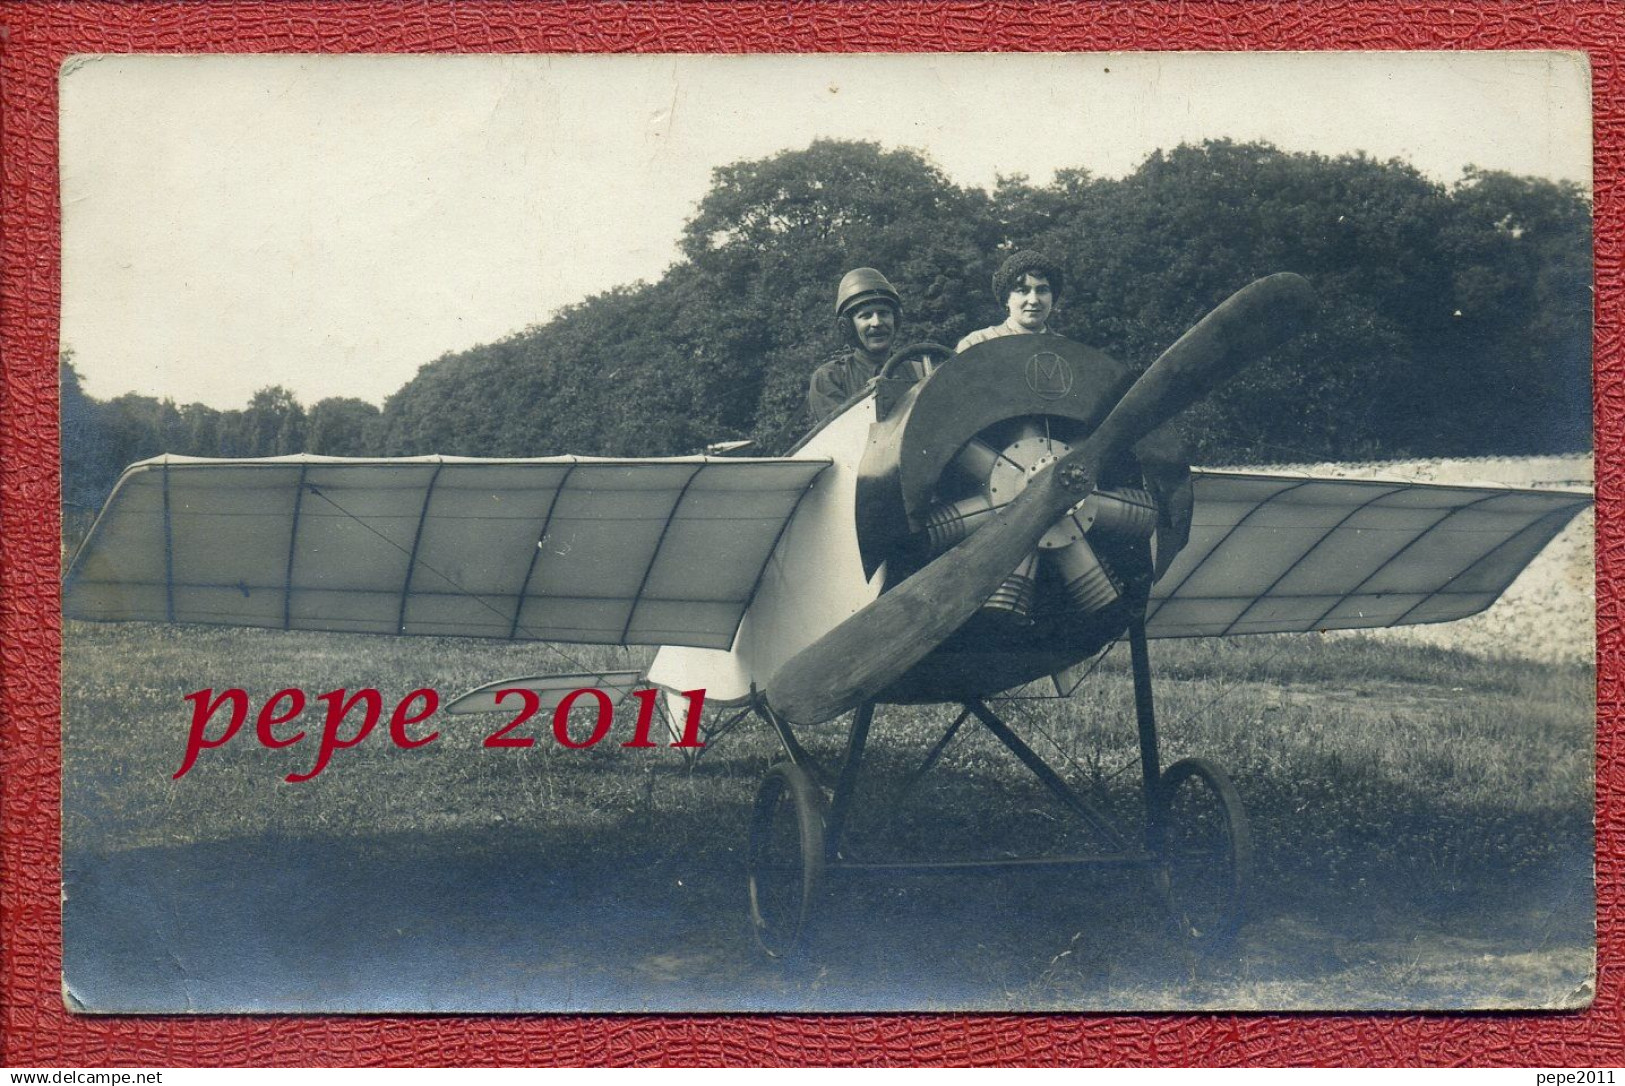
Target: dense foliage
100	438
1454	320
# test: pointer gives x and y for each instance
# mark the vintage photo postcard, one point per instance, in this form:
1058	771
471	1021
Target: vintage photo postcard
814	533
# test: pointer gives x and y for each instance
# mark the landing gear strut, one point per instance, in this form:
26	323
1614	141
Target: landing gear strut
1196	843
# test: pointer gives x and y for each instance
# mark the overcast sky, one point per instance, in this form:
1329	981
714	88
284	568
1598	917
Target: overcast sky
333	223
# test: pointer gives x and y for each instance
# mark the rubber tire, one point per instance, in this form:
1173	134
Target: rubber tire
1215	924
781	932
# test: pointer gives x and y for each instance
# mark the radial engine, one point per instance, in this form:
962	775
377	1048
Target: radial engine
946	453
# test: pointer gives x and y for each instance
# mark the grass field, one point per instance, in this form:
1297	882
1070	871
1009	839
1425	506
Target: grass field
1422	822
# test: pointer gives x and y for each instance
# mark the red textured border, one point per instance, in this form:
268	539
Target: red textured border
34	39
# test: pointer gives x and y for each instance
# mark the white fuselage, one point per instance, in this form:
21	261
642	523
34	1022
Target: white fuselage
813	581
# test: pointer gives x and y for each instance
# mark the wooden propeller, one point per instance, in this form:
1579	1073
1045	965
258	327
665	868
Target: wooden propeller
873	649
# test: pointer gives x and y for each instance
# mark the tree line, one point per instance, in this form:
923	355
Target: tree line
1455	320
102	437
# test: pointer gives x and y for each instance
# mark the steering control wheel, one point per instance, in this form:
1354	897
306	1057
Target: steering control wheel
932	352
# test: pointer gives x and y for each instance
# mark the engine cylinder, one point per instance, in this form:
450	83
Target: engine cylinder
936	469
1016	595
948	524
1125	513
1089	585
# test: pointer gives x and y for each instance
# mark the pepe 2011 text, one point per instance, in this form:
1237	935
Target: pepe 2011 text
286	705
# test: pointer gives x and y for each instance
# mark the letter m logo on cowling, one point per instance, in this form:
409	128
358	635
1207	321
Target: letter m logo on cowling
1049	375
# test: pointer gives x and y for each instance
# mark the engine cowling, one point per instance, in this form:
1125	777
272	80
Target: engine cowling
948	451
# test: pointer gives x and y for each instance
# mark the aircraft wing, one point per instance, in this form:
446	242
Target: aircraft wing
1280	554
660	551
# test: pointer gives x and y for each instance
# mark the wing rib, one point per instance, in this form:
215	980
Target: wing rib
1537	526
1414	540
1211	551
1304	557
417	537
169	552
654	555
293	548
536	551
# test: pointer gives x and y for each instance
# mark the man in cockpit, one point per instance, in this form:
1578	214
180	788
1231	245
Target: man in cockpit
868	312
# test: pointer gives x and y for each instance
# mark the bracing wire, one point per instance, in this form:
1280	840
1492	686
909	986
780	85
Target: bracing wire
449	579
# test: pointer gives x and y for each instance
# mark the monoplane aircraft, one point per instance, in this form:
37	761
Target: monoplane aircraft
937	541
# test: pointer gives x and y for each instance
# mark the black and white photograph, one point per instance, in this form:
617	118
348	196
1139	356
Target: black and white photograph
805	533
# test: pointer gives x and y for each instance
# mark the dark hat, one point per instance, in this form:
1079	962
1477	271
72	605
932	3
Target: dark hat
862	285
1025	262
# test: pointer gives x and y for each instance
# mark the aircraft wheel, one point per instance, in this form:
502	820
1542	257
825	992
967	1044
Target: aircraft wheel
1206	853
786	858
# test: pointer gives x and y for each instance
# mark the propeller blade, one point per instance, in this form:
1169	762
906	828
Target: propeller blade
868	652
1255	319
